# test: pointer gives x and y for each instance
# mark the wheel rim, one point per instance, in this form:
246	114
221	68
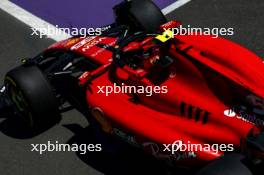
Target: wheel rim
19	101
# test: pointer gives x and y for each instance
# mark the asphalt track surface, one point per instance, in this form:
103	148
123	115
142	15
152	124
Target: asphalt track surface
246	17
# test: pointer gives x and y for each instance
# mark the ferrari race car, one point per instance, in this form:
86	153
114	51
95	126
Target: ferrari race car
154	90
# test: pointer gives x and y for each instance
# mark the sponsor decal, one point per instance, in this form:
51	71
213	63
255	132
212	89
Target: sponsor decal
92	43
243	115
72	41
124	136
82	43
229	113
158	151
251	113
166	35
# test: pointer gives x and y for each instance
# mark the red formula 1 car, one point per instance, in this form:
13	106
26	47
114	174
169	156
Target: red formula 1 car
160	93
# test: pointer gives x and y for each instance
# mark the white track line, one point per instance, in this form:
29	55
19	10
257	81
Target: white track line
174	6
35	22
30	19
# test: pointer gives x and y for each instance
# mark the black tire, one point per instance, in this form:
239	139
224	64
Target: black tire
140	15
33	96
227	165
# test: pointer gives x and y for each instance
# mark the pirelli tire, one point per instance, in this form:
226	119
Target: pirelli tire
141	14
33	97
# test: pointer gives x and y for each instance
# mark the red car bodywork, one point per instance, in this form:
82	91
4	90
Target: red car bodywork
207	77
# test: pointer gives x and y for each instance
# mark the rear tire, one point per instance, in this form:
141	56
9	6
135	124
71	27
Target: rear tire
140	15
33	97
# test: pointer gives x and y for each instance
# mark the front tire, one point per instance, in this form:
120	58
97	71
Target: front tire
33	97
